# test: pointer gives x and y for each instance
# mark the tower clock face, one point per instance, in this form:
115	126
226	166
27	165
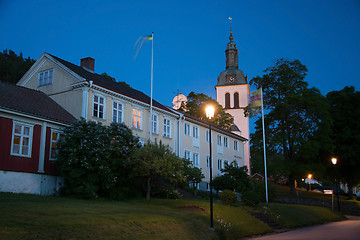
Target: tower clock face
230	78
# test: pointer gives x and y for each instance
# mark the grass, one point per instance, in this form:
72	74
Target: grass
35	217
293	216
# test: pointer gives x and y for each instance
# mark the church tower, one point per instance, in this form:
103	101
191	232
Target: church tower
232	93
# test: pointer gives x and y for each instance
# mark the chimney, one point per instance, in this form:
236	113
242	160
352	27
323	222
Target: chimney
88	63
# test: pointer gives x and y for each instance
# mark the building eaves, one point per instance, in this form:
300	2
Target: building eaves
32	102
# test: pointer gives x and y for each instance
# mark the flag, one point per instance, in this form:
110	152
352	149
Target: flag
140	42
255	98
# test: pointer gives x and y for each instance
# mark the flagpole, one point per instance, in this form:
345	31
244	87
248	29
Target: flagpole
264	145
151	88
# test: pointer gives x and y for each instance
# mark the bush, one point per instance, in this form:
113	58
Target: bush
250	198
228	197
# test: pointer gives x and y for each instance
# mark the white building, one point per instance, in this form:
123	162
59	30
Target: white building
86	94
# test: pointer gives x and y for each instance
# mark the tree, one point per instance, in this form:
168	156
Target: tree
196	104
345	111
155	161
94	160
297	120
233	178
13	67
193	175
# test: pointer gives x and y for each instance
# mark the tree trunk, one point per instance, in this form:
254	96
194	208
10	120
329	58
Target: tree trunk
350	191
148	190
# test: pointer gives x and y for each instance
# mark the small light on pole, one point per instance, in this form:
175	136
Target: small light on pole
210	114
334	161
309	177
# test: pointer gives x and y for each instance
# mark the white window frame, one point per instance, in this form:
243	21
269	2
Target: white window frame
187	155
119	112
195	132
45	77
167	128
196	159
208	162
59	133
220	164
219	140
22	136
137	117
226	142
187	128
155	123
236	145
99	105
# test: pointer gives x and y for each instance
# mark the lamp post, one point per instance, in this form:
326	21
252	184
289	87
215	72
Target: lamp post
334	161
309	177
210	114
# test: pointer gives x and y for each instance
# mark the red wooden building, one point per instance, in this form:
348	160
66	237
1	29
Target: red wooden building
31	124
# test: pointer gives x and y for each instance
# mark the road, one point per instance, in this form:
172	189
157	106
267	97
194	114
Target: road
348	229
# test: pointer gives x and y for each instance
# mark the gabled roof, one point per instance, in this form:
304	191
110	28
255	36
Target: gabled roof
109	84
32	102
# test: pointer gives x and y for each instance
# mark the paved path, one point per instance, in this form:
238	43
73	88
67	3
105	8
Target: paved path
348	229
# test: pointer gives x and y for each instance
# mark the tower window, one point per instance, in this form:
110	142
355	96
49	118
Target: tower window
236	100
227	100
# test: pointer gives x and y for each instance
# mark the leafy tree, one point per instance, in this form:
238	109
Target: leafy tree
154	161
345	110
193	175
233	178
297	120
196	106
94	159
12	66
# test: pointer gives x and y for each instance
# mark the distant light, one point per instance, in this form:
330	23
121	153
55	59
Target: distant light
210	111
334	160
309	176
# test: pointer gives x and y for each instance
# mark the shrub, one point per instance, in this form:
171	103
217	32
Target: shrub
228	197
250	197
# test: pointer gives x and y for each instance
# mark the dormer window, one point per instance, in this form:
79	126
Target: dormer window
46	77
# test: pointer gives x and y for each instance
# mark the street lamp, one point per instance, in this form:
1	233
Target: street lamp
334	161
309	177
210	114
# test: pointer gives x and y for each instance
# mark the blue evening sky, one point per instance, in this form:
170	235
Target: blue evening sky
190	38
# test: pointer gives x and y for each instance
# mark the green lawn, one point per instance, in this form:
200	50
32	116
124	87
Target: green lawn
35	217
292	215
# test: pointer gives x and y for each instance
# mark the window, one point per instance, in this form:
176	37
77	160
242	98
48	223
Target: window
226	142
99	107
55	137
167	128
207	136
187	155
136	118
220	164
236	145
226	163
208	162
155	124
227	100
236	100
219	140
196	161
195	132
187	129
21	139
46	77
117	112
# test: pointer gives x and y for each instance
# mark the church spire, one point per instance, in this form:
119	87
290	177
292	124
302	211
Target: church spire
231	36
231	51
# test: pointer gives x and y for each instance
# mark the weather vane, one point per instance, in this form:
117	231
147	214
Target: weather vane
230	19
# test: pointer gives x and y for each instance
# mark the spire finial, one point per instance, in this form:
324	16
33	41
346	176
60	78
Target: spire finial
231	36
